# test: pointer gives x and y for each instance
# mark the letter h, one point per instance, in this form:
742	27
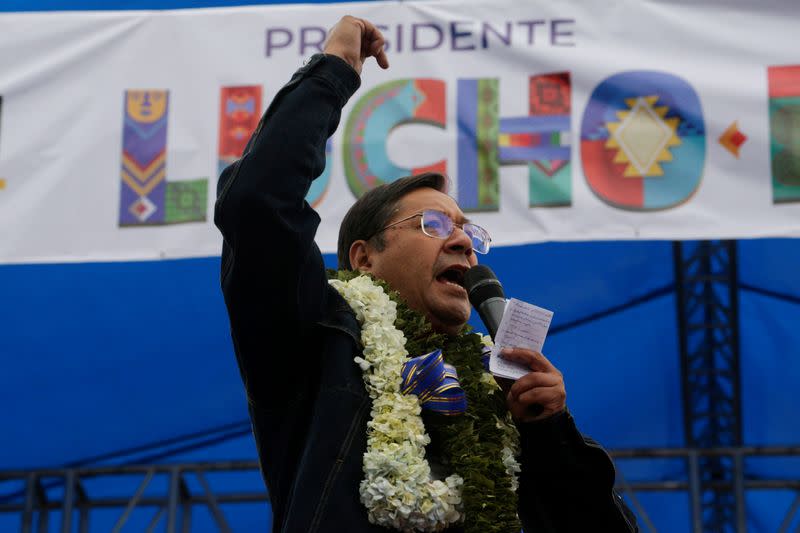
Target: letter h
540	140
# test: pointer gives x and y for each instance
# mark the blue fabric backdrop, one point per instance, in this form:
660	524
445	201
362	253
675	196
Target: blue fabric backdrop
101	358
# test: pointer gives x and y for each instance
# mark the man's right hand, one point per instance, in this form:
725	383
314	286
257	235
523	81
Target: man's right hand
354	40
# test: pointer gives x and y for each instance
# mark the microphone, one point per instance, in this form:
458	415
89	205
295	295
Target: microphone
487	296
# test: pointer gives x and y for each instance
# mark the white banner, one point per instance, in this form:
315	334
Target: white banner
568	120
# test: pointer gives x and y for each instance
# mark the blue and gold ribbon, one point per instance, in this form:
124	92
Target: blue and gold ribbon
435	383
486	354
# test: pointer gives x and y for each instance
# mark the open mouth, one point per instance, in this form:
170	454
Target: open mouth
452	276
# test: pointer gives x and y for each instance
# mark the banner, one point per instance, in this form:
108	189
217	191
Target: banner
554	121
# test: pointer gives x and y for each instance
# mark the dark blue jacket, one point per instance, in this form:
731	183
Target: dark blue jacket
295	339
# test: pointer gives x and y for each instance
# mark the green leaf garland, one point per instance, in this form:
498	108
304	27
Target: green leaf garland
470	445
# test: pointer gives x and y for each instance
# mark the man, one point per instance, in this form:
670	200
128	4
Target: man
296	338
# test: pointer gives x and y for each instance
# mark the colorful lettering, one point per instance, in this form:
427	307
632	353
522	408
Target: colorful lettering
643	141
540	140
146	197
478	132
2	181
375	115
784	125
549	168
239	112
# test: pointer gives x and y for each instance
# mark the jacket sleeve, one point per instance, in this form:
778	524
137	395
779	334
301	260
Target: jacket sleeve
567	481
272	274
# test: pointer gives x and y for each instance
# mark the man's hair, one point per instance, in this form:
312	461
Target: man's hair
372	212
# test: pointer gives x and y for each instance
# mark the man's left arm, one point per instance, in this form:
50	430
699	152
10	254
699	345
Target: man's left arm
567	481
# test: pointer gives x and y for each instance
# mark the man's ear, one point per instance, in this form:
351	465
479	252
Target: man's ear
360	256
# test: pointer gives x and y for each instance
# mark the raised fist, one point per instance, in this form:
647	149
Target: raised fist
354	40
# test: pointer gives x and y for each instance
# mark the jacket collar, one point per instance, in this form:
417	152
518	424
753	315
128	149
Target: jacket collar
339	315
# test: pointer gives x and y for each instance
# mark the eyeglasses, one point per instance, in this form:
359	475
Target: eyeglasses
439	225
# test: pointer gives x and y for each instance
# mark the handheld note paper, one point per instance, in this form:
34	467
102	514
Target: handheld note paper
523	326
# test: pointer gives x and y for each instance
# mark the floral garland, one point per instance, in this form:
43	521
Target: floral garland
480	446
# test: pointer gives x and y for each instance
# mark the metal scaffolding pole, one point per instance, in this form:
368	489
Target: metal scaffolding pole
156	491
706	283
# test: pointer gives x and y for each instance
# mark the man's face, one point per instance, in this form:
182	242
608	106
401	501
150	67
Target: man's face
426	271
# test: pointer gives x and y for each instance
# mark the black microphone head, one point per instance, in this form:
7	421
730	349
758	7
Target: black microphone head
482	284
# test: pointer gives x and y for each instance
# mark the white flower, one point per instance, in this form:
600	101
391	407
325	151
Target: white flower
489	383
397	488
363	364
512	466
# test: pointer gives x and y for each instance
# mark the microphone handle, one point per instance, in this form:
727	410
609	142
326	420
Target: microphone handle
491	311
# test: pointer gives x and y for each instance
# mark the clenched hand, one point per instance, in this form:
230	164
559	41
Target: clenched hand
354	40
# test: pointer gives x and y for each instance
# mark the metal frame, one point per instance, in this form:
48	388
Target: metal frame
175	505
694	483
706	286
